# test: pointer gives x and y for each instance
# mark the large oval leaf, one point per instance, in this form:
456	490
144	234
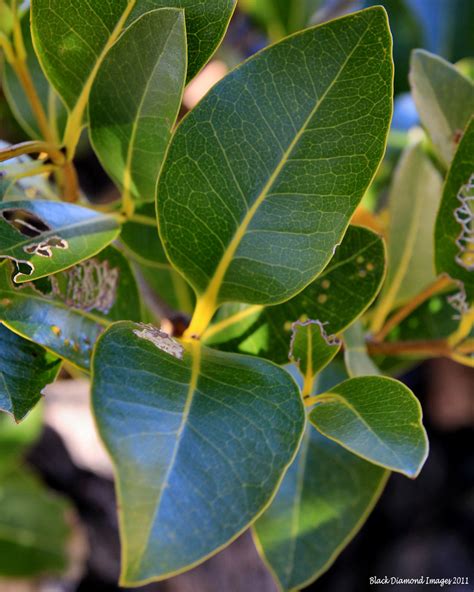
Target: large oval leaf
454	233
444	99
342	292
25	369
130	136
68	311
256	192
323	501
200	440
45	237
377	418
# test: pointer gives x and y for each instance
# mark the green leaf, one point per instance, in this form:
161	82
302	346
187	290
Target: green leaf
444	99
454	233
342	292
19	102
34	529
377	418
141	239
414	197
169	286
130	136
322	503
256	193
311	349
195	435
45	237
143	245
67	312
25	369
72	39
356	358
206	24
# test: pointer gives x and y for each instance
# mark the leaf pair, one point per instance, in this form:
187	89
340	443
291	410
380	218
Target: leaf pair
130	60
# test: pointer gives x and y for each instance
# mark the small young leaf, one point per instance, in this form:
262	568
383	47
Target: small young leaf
256	193
68	311
200	440
343	291
414	197
324	499
130	136
454	233
377	418
444	99
311	348
34	527
25	369
20	103
357	360
45	237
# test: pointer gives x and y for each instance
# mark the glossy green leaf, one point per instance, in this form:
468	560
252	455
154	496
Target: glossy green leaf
200	441
454	233
67	312
444	99
25	369
19	102
72	38
206	24
130	136
343	291
256	193
322	503
311	348
378	419
356	358
414	197
34	527
45	237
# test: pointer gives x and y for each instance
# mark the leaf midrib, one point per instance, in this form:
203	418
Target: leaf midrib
212	292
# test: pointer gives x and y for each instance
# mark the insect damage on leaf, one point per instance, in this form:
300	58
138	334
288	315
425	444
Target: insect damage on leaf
31	226
92	285
160	339
459	301
330	340
44	248
464	215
